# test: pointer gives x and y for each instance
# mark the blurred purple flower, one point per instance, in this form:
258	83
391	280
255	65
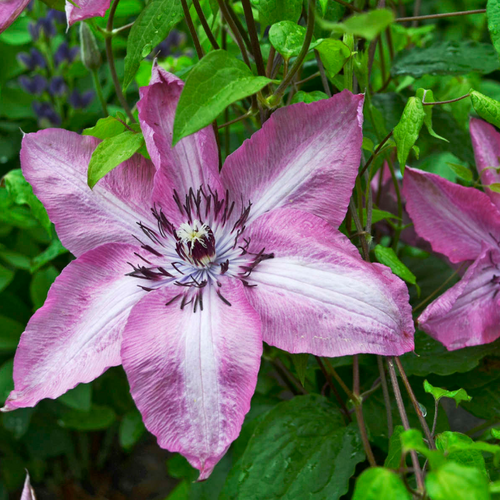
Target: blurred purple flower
80	101
36	85
57	86
65	53
32	60
173	41
34	30
47	25
56	16
45	110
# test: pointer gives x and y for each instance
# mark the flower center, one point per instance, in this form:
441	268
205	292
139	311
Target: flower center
196	243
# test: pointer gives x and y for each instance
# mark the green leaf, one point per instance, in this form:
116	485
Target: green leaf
300	363
495	187
377	216
150	28
307	97
79	398
388	257
393	458
299	443
495	433
407	130
493	16
461	449
428	96
50	253
6	380
21	193
334	54
131	429
105	128
376	483
6	276
112	152
273	11
453	481
486	107
216	81
413	440
10	332
438	393
288	37
40	284
17	421
368	25
18	33
446	58
461	171
97	418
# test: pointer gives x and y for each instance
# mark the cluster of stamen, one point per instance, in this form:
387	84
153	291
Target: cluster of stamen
194	259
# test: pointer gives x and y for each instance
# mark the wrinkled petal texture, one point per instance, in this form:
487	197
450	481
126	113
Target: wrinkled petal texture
192	162
486	144
317	295
55	163
306	156
76	335
9	10
85	10
468	313
455	220
28	492
192	375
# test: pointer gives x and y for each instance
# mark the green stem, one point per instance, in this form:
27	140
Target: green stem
192	29
98	89
385	391
254	37
205	25
440	16
111	62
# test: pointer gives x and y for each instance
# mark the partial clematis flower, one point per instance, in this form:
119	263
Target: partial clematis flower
10	10
28	492
182	271
463	224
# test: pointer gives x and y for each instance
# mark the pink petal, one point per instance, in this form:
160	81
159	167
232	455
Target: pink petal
454	219
305	156
317	295
192	162
192	375
55	163
76	335
28	491
486	144
9	10
468	313
85	10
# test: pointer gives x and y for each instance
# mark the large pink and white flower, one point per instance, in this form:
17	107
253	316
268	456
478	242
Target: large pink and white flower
462	223
181	272
83	9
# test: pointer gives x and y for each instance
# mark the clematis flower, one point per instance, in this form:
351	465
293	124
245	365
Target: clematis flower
181	272
462	223
28	492
10	10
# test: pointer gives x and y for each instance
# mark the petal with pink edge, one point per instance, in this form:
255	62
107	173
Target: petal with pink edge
317	295
192	374
55	163
28	491
192	162
85	10
486	144
76	335
455	220
468	313
306	156
9	10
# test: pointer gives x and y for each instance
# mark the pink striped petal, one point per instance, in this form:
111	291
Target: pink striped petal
305	156
28	491
192	162
85	10
317	295
486	144
76	335
455	220
55	163
468	313
192	375
9	10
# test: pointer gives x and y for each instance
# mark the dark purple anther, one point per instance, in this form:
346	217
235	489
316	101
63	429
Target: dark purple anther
80	101
36	85
65	53
57	86
45	111
32	60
